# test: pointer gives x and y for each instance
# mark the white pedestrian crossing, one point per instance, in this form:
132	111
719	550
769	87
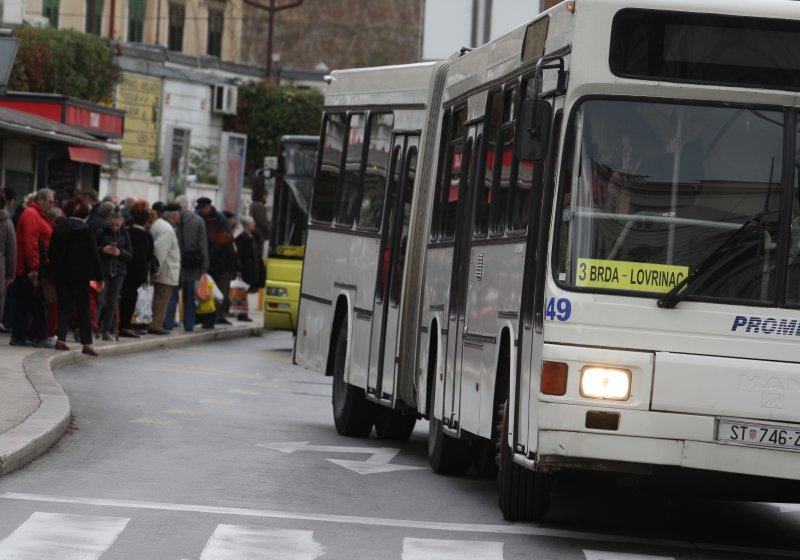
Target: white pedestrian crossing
236	542
46	536
425	549
603	555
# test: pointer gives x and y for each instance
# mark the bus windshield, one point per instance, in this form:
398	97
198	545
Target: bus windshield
293	185
654	190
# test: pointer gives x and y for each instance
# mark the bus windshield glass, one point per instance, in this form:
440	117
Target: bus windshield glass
292	195
653	191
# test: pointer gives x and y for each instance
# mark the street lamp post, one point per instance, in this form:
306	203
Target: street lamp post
272	9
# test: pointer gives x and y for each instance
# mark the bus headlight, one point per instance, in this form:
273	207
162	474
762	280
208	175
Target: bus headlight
277	292
605	383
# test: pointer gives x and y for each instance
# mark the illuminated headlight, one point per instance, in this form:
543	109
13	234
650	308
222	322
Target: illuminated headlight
277	292
605	383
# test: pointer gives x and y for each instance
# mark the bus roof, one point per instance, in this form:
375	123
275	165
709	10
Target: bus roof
382	85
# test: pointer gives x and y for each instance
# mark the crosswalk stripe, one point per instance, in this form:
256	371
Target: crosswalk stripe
602	555
236	542
45	536
425	549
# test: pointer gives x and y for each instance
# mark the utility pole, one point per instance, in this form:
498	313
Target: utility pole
272	9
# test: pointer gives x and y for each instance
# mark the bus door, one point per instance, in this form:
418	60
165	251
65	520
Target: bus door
392	257
462	175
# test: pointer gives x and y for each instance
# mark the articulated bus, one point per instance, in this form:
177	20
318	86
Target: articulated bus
578	243
294	177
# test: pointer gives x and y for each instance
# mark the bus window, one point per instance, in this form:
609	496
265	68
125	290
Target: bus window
662	186
408	192
380	141
327	183
492	128
793	286
507	161
436	215
349	199
388	236
453	181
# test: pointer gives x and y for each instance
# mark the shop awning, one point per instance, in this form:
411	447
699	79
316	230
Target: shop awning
91	155
23	124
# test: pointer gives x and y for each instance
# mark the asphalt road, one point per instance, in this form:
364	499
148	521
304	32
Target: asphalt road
227	451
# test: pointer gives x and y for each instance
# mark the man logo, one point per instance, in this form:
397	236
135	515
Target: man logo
772	400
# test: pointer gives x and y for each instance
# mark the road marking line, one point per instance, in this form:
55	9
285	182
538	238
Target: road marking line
45	536
243	392
156	421
425	549
234	542
508	529
186	411
603	555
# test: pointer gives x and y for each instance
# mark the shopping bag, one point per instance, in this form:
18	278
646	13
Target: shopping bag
203	290
238	296
143	313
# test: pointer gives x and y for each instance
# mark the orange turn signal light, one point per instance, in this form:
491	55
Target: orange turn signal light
554	378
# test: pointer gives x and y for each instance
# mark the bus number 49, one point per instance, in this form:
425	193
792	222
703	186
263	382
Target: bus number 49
558	309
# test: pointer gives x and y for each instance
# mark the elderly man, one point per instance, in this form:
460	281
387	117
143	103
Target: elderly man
194	263
33	238
167	251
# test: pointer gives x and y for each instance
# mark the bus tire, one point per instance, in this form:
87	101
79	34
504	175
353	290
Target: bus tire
353	415
524	494
393	424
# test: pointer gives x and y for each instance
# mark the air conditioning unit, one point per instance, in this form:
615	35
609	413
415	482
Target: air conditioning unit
224	99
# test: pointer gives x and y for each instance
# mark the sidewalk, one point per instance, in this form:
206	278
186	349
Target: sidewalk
35	412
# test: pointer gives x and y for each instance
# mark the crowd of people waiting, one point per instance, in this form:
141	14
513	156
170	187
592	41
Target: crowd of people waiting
75	264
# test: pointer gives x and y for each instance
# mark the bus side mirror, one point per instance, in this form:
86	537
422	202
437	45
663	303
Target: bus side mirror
268	173
533	133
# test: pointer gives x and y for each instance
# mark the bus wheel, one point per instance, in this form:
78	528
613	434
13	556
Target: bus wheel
524	494
447	455
353	415
393	424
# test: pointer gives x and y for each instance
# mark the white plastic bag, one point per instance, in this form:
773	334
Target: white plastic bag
238	296
144	305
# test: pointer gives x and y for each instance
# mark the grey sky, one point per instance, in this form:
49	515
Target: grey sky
448	23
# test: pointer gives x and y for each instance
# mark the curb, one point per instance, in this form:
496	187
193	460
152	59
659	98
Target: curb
31	438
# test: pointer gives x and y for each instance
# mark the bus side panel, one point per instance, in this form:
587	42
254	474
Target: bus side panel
493	298
437	280
316	306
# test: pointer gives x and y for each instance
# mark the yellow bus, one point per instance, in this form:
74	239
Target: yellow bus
294	177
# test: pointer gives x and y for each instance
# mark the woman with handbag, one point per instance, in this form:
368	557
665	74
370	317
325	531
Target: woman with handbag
74	262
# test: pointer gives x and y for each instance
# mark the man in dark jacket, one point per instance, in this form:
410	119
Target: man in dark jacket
114	245
74	261
221	253
191	231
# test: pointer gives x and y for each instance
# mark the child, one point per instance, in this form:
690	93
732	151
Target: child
206	296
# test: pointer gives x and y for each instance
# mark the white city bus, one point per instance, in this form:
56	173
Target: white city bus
604	230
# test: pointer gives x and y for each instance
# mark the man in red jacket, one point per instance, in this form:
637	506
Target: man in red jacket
33	238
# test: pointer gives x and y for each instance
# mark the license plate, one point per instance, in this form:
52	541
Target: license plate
758	435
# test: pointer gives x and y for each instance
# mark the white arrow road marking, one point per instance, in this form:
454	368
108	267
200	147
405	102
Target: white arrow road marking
787	508
45	536
235	542
425	549
601	555
377	463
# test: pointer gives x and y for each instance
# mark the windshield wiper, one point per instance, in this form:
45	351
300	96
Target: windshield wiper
675	295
